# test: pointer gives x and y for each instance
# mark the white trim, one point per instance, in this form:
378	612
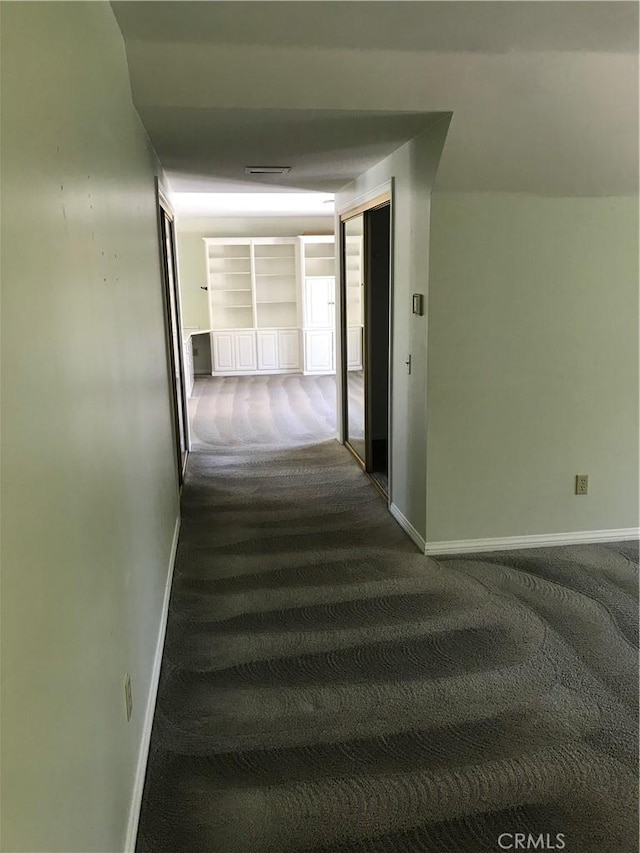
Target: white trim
391	362
145	740
259	372
406	525
544	540
363	198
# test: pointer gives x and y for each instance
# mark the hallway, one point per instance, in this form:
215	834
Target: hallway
325	687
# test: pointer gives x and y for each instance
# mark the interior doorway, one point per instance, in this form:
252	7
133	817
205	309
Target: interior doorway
173	330
366	352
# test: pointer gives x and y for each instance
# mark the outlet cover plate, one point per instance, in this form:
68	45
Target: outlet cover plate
582	484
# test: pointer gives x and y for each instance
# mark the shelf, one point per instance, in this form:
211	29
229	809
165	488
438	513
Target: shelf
271	288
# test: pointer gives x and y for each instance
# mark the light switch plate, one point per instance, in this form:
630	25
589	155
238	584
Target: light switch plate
418	303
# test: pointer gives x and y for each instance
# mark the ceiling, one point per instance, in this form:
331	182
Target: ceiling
207	149
544	95
404	26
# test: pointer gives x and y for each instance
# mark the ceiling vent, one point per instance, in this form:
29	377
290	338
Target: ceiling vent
266	170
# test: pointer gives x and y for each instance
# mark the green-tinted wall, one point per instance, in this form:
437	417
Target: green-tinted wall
532	365
89	497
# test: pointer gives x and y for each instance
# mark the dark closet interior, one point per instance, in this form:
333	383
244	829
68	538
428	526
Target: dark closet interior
366	381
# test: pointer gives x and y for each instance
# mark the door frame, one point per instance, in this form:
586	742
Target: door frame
378	196
178	398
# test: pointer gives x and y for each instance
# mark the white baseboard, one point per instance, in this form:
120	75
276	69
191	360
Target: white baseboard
145	740
508	543
406	525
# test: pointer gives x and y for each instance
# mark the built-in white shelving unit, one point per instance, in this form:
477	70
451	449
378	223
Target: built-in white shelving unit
229	269
276	284
272	303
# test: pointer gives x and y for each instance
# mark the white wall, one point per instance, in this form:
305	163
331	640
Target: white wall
533	365
413	168
538	121
191	257
88	473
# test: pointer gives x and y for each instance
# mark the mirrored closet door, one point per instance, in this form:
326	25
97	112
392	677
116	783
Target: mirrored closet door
366	299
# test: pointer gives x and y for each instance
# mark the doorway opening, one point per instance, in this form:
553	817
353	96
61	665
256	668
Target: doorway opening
260	326
366	351
173	330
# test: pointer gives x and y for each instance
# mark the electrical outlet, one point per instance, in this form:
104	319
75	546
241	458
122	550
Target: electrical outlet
582	484
128	702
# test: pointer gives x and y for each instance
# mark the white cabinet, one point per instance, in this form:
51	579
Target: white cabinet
279	350
319	303
289	349
318	351
248	351
188	366
317	255
223	351
268	350
245	351
354	348
234	352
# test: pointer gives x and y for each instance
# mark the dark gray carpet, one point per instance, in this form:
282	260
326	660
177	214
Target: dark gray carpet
326	688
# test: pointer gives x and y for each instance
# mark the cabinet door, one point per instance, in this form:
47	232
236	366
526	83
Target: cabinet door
268	350
188	366
319	303
245	351
223	351
318	352
289	349
354	348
